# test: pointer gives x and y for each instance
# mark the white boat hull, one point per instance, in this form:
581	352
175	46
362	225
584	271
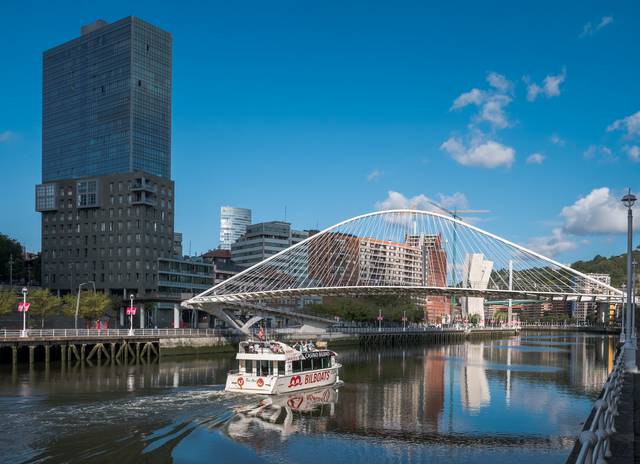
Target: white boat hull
282	384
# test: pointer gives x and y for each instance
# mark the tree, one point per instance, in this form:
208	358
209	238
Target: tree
474	319
10	250
43	304
8	302
366	309
92	305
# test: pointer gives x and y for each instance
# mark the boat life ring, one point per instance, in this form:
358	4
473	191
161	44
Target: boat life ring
240	382
260	382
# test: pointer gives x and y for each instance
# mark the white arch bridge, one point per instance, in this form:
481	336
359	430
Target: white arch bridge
408	252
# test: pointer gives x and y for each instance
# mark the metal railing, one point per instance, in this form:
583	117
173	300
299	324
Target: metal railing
75	333
572	325
594	439
420	329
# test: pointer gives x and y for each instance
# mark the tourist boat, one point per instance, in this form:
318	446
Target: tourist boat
274	368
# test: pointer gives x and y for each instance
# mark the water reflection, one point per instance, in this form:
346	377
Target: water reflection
275	418
502	400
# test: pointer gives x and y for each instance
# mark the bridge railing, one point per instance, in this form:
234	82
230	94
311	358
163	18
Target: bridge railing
594	438
75	333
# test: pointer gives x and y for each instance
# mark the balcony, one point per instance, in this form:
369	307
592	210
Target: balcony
143	200
143	185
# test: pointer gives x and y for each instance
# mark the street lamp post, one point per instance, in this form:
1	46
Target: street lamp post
24	311
78	299
131	315
630	359
633	300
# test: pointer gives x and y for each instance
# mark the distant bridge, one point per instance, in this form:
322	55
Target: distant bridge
399	252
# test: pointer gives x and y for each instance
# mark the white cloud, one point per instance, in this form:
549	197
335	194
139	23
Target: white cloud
493	111
396	200
456	201
600	212
374	175
550	86
602	152
535	158
472	97
588	28
633	151
557	140
605	21
487	154
553	244
630	124
492	102
499	82
6	136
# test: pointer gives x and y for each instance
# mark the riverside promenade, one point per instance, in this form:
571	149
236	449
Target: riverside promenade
147	345
108	346
611	432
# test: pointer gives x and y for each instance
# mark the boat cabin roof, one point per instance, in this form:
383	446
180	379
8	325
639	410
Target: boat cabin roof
277	351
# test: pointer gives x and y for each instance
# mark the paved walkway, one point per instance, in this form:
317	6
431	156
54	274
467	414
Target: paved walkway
625	443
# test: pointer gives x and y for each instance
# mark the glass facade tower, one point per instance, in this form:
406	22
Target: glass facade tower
107	102
233	225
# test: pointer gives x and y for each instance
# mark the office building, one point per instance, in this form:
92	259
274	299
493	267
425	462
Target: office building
263	240
434	274
233	225
107	198
583	308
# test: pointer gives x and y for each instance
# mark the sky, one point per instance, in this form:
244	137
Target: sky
327	110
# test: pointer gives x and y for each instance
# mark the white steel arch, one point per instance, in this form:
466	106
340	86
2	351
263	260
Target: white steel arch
407	252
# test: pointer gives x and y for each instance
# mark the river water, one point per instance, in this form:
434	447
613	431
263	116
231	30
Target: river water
520	400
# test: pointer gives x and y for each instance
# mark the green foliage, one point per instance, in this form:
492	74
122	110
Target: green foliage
474	319
615	266
500	316
10	248
8	302
43	304
92	305
366	309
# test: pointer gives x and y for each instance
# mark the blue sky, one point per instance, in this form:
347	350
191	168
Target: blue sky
326	107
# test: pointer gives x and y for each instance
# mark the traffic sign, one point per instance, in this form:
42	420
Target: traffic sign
131	311
23	307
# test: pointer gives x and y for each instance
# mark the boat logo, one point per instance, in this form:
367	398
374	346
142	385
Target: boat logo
240	382
295	402
295	381
260	382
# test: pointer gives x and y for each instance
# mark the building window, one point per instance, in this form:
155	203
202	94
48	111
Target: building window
87	193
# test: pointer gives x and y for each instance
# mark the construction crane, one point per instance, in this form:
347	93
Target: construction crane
456	215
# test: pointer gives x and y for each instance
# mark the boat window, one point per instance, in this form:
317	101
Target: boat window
264	368
296	366
324	362
248	366
280	367
307	364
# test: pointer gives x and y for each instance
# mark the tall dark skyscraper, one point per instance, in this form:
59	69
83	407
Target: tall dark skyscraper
107	197
107	102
